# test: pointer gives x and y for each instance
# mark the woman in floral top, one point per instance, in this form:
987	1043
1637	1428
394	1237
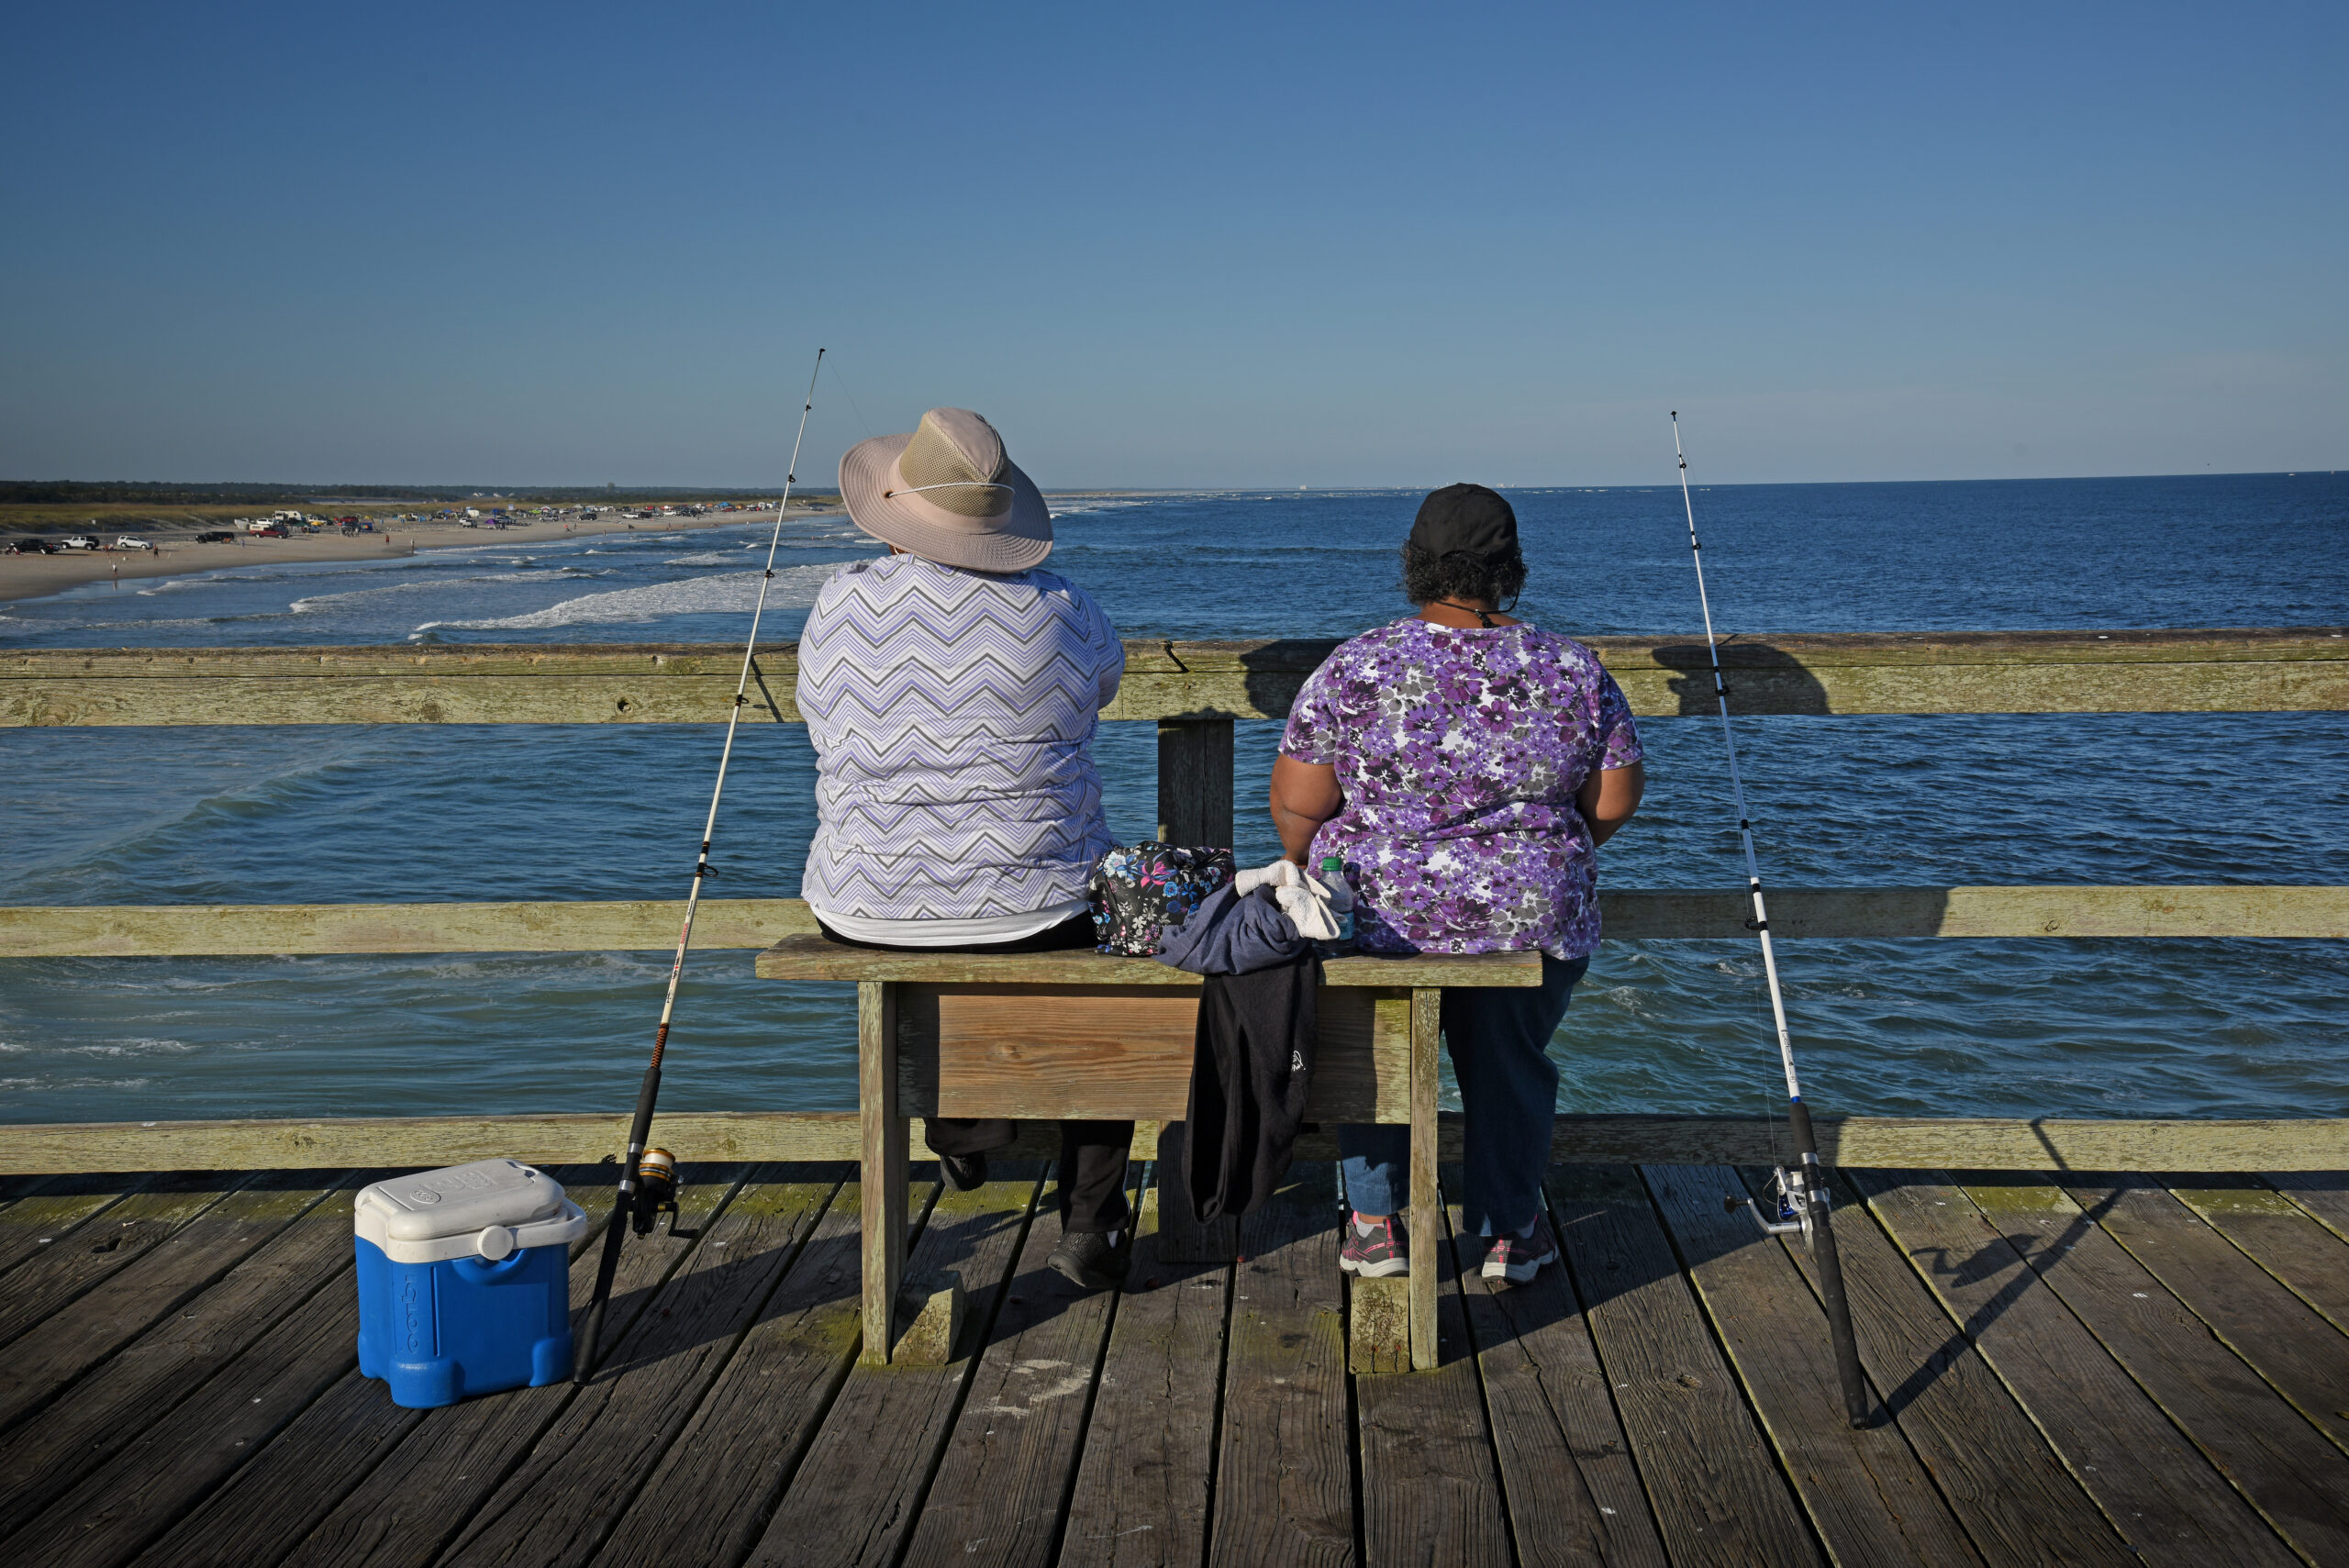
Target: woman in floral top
1466	766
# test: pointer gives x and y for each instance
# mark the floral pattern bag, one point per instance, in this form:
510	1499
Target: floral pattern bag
1139	890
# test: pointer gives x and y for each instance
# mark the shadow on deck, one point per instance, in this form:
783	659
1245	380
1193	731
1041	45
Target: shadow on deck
2099	1369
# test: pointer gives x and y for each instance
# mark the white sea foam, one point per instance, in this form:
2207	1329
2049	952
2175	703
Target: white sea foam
720	592
708	558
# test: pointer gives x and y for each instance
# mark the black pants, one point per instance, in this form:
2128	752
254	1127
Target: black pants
1092	1153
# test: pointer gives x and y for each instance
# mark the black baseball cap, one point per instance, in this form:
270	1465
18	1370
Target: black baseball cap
1465	520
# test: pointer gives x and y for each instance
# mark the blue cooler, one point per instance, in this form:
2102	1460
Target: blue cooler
465	1281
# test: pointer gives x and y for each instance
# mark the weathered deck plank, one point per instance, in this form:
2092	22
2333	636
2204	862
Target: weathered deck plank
2299	1481
1714	1484
1013	1450
1284	1481
1431	1480
1145	1482
273	1502
2323	1196
1572	1492
122	1307
858	1493
2303	1357
44	1217
2018	1502
149	1375
2155	1486
556	1509
62	1272
709	1496
2308	1260
437	1477
1868	1497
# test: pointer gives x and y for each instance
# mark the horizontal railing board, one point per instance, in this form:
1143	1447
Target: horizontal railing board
198	930
1882	1142
2251	670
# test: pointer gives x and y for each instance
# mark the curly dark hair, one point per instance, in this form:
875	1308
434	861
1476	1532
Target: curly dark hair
1428	576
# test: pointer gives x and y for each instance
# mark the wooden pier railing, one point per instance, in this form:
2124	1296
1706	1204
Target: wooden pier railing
1193	692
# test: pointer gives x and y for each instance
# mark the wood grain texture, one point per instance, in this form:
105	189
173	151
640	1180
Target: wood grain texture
818	958
1143	1489
1195	777
44	1218
1880	1143
996	1500
1427	1200
2320	1190
1630	915
1572	1493
2286	1471
273	1500
1042	1053
2302	1356
173	1272
1712	1477
2304	1256
881	1160
1868	1497
2156	1487
1284	1488
558	1505
708	1498
1430	1489
58	1274
2262	669
421	1494
858	1492
2014	1496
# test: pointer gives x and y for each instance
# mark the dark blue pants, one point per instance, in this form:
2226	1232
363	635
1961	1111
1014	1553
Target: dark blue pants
1498	1037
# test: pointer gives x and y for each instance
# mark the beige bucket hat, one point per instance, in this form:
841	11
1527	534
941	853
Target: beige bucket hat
948	493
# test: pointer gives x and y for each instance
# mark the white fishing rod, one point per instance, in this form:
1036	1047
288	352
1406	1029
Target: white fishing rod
649	1186
1802	1198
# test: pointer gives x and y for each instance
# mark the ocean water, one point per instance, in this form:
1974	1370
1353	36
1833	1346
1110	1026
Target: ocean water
2099	1028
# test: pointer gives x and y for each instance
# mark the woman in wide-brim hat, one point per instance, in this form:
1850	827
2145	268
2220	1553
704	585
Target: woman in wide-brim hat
951	691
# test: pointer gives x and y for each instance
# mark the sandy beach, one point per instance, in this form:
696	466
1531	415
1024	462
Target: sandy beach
32	576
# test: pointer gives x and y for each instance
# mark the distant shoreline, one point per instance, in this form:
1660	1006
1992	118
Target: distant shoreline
38	576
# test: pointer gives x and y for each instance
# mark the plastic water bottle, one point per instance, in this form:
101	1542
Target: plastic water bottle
1333	877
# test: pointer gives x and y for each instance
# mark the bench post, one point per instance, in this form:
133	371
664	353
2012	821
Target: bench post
881	1179
1426	1221
1195	781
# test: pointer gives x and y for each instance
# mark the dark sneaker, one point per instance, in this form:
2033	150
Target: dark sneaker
1517	1258
962	1171
1087	1258
1385	1250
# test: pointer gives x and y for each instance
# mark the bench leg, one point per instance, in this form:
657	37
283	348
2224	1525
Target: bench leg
882	1159
1426	1201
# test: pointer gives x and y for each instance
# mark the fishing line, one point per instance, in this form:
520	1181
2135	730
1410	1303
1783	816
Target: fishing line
642	1201
1802	1197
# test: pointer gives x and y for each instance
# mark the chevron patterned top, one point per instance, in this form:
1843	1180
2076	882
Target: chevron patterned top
952	715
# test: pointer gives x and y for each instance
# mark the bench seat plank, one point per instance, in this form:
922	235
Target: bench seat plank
820	957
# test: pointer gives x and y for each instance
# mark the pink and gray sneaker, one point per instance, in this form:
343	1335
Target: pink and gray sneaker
1518	1258
1384	1249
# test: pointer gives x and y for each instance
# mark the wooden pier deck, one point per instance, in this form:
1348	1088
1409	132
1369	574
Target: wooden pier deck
2099	1369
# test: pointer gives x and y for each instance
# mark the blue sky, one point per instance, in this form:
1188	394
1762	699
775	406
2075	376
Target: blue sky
1175	246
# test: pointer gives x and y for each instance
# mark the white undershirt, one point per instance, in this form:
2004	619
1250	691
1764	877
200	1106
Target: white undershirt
976	931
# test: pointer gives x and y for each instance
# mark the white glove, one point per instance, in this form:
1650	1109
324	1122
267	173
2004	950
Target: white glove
1280	874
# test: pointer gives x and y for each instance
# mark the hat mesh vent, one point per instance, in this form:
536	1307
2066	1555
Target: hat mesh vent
931	458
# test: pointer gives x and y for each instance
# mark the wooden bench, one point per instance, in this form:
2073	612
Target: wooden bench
1039	1037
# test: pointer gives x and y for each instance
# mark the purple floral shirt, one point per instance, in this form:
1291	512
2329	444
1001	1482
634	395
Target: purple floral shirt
1459	753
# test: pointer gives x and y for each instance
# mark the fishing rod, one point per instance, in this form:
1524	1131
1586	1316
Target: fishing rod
649	1176
1801	1195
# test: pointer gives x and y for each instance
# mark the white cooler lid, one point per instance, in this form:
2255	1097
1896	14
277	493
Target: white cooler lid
457	1200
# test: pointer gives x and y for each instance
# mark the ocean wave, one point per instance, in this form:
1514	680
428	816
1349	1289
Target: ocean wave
727	592
709	558
140	1047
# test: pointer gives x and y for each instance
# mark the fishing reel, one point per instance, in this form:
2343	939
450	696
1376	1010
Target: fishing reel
1790	1201
656	1192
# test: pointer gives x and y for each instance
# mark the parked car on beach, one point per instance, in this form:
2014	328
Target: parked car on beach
217	536
271	531
32	547
131	541
79	541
